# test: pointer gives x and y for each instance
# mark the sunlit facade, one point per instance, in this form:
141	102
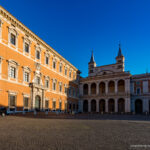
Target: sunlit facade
32	74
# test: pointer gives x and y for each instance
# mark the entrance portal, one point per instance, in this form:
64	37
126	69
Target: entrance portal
138	106
37	102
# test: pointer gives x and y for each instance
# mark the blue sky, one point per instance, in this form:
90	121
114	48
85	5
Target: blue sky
76	27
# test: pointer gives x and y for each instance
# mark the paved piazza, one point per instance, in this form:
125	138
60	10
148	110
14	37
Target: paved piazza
20	133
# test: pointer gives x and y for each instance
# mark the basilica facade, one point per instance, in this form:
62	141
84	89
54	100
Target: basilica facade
111	89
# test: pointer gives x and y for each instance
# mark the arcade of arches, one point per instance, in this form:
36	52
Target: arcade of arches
113	105
103	105
103	88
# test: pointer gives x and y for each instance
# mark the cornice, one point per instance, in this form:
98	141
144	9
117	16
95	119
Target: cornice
27	31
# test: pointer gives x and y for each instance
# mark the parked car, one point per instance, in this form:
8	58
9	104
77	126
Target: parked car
3	111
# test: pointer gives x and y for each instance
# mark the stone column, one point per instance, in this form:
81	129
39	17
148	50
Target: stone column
89	105
80	104
116	86
132	105
81	89
97	105
127	85
97	88
127	105
116	105
106	105
106	87
89	88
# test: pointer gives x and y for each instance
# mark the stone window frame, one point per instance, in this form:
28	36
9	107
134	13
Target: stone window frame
12	63
65	90
37	49
66	70
137	90
26	96
70	73
54	82
46	100
12	93
60	67
54	61
26	40
60	87
47	54
39	75
12	30
28	70
47	78
54	100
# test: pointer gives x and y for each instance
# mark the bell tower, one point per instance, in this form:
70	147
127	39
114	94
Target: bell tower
92	64
120	59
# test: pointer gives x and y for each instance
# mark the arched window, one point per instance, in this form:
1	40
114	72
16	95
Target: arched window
102	88
121	86
93	105
85	106
121	105
93	88
111	87
102	105
111	105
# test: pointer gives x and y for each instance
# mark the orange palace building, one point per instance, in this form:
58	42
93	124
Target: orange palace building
32	74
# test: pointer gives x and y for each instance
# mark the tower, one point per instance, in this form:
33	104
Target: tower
92	64
120	59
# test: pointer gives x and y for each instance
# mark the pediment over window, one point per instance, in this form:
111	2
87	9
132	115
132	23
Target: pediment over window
13	62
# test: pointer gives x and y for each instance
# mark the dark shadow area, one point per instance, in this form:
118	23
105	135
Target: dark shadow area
83	116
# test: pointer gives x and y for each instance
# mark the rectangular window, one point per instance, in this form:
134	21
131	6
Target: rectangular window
37	54
138	83
54	86
46	60
12	101
65	71
26	77
47	83
12	73
38	80
60	68
138	91
26	101
46	104
60	88
54	105
26	47
54	64
12	39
